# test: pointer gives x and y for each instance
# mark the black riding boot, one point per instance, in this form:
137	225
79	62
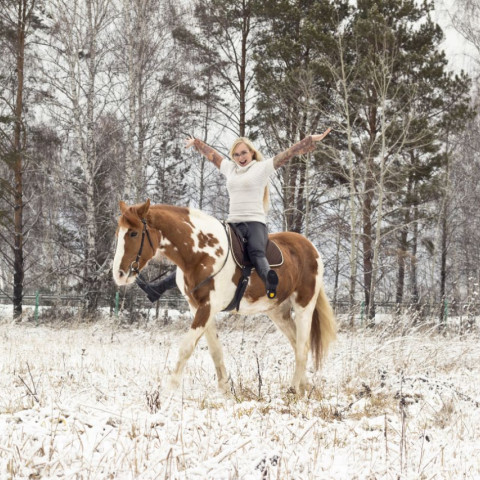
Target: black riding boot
269	276
155	290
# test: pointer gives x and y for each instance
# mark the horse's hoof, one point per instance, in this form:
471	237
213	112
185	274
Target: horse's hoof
224	389
173	383
306	387
291	391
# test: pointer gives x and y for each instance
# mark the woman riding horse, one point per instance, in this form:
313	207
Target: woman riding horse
247	185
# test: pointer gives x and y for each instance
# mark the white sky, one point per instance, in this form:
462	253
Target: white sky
460	53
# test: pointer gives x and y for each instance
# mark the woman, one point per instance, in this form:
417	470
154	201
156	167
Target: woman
247	185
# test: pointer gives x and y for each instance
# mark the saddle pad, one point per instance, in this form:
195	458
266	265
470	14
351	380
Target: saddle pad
272	252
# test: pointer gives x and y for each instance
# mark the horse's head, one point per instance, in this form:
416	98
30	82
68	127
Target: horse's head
136	243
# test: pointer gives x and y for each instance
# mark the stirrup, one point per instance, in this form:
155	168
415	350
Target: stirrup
271	284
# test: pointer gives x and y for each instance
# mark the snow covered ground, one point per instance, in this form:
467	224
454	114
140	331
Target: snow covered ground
86	401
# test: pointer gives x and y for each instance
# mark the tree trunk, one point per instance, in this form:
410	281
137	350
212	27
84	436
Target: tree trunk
443	260
89	160
413	276
351	182
443	240
18	145
367	242
243	70
401	252
403	242
129	187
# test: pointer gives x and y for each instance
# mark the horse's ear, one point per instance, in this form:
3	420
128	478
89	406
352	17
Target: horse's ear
142	209
123	206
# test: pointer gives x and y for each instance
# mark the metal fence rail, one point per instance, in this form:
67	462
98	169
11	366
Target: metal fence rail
433	311
42	303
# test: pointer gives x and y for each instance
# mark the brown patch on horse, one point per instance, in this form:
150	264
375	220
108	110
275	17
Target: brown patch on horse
296	250
205	240
160	217
180	248
201	317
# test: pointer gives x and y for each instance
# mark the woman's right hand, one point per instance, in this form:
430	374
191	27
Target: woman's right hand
189	141
318	138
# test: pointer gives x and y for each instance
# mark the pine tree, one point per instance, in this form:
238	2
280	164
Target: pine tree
397	103
18	21
293	85
223	44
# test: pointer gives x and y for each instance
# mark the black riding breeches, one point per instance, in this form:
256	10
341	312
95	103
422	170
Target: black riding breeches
256	235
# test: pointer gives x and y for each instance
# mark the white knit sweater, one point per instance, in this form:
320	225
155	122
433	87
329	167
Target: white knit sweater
246	186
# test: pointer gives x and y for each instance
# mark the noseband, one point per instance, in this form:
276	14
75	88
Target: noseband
134	266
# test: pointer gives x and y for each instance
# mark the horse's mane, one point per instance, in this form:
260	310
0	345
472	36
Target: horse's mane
131	218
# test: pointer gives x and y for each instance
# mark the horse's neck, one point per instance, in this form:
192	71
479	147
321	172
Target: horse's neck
183	233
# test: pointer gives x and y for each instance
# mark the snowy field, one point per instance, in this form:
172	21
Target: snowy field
86	401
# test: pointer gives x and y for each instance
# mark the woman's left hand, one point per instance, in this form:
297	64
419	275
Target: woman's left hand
321	136
189	141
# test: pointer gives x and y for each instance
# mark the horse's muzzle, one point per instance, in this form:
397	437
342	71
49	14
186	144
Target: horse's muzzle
121	278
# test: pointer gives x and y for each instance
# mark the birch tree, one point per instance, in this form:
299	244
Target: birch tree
340	112
227	38
79	72
465	190
466	20
146	63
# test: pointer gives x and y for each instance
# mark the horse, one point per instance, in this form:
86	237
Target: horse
207	276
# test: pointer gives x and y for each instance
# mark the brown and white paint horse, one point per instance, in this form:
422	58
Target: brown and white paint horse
197	243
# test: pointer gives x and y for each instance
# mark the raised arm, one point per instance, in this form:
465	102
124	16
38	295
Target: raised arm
208	152
303	146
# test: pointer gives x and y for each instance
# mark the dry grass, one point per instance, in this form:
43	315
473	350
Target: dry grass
88	401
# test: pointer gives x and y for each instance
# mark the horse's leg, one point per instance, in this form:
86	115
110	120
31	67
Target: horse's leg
303	322
188	344
282	318
216	352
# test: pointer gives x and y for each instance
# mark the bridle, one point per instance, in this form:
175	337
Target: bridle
134	266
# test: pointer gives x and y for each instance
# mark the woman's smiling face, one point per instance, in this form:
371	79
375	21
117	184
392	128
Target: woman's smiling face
242	155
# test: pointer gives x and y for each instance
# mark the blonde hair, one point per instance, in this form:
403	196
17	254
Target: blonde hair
256	155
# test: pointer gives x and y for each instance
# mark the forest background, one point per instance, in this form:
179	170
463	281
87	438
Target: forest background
97	96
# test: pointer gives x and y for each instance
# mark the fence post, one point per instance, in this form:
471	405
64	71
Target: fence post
37	304
117	302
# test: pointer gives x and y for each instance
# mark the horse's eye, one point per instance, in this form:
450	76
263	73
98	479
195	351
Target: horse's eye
133	234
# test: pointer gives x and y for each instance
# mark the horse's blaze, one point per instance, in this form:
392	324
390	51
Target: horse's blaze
119	268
